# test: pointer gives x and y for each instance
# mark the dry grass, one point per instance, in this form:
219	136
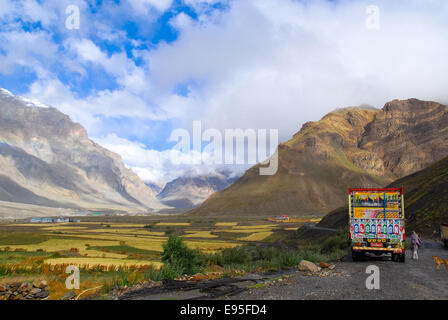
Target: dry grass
226	224
210	245
126	225
173	224
138	231
258	236
55	245
242	230
35	224
199	234
62	228
140	242
91	263
260	226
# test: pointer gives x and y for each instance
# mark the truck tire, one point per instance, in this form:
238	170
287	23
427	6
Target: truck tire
402	257
355	255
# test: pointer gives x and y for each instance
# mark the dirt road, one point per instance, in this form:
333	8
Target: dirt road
411	280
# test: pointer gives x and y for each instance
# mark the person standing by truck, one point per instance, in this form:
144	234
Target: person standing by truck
415	243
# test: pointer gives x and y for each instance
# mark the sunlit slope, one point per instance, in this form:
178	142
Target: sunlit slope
350	147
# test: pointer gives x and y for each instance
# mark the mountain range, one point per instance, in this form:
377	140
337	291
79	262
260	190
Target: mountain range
192	189
349	147
49	166
47	160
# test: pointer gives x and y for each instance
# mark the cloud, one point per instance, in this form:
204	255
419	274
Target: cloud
238	64
153	165
277	64
144	5
26	49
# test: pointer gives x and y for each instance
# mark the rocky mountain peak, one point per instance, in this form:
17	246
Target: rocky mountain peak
49	160
349	147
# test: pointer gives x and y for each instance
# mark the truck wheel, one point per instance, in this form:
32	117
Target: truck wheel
355	255
362	256
402	257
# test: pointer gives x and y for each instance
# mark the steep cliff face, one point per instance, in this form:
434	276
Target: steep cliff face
350	147
47	159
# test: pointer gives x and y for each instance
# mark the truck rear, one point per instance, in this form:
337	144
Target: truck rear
376	218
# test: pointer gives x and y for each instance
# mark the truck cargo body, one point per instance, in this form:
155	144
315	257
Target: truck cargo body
376	218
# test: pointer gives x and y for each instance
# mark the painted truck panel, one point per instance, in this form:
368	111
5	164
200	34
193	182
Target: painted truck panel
376	218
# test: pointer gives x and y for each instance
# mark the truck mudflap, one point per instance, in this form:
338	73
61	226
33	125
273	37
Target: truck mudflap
394	250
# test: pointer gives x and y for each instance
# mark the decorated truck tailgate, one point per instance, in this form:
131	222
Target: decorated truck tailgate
376	218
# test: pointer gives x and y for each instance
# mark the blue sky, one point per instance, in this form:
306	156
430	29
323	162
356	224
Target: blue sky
135	70
141	31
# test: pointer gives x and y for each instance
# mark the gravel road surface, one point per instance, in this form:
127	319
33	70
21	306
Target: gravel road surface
411	280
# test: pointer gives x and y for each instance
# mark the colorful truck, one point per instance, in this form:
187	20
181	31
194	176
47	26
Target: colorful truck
376	218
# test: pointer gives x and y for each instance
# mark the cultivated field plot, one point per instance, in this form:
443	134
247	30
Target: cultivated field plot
111	245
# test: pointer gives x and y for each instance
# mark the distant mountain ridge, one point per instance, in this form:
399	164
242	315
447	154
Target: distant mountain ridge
349	147
192	189
47	159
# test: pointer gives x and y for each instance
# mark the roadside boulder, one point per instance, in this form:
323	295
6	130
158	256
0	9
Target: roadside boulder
35	291
42	284
305	265
69	296
42	295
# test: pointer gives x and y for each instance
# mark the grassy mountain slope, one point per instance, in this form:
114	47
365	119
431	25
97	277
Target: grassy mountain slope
350	147
426	202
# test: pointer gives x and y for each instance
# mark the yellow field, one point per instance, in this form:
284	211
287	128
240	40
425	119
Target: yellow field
35	224
258	236
153	244
261	226
85	262
124	225
244	230
210	245
226	224
63	228
55	245
138	231
199	234
173	224
146	243
130	239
